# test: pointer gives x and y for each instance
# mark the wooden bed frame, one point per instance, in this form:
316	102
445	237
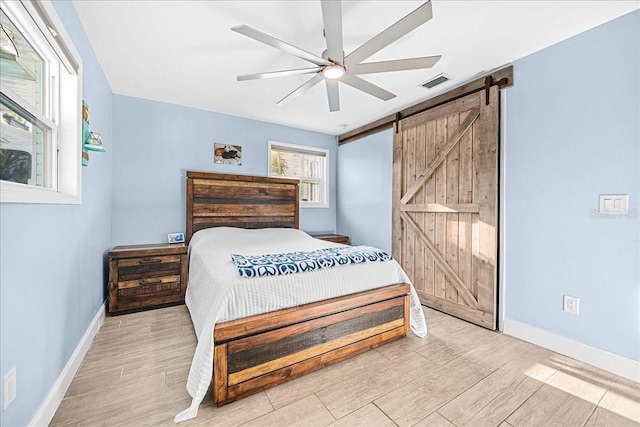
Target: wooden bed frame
255	353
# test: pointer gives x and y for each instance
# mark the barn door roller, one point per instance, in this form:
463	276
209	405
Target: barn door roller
488	82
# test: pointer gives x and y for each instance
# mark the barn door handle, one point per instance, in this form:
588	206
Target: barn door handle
150	282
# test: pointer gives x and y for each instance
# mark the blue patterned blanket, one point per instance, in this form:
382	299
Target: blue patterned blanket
298	262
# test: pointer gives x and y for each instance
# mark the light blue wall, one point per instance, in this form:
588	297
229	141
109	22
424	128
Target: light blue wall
52	264
158	142
572	133
364	190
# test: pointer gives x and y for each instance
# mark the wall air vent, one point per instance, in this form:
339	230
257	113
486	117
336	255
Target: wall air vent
439	79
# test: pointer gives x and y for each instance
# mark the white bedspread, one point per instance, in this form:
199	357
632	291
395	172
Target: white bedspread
216	293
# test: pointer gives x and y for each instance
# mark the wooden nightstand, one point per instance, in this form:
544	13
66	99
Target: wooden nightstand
146	276
336	238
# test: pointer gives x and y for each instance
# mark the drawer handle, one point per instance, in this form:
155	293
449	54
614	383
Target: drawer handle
151	282
150	261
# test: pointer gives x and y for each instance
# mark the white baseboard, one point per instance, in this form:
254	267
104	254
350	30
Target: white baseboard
50	405
611	362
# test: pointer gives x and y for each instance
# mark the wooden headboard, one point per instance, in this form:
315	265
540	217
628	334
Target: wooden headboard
245	201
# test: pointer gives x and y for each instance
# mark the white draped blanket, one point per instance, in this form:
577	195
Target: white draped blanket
216	293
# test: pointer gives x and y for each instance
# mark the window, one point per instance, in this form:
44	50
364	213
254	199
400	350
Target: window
308	164
40	106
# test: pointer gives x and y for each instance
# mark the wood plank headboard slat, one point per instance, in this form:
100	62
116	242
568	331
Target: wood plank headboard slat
235	193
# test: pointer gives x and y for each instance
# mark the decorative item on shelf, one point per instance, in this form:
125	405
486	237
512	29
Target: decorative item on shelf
91	141
94	143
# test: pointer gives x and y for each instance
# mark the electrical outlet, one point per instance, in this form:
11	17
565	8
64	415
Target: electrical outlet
9	386
571	304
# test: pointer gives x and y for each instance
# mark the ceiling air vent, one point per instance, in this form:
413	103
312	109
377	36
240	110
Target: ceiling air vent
439	79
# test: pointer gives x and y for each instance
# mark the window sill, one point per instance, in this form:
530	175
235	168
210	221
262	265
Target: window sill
313	206
20	193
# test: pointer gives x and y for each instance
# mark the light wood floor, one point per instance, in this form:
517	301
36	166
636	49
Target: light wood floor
459	374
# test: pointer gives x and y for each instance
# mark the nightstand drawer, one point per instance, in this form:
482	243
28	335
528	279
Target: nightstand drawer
149	284
136	268
139	293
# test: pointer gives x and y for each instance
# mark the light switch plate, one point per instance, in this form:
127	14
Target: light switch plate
614	203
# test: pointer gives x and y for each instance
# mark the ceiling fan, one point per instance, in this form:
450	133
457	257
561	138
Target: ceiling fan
333	66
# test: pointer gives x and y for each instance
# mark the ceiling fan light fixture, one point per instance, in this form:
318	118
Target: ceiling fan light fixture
333	72
334	67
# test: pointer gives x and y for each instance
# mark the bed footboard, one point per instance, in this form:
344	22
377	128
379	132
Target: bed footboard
259	352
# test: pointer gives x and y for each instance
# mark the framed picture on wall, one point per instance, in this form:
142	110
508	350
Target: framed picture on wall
227	154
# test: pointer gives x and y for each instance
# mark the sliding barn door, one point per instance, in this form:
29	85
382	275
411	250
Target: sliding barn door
445	191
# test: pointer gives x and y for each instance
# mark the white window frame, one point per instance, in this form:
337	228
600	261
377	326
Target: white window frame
324	183
41	23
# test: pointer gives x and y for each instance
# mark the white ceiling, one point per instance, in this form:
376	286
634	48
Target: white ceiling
183	52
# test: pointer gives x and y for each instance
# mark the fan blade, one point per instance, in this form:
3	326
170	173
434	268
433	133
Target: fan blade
272	74
391	34
279	44
332	17
302	89
397	65
367	87
333	94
